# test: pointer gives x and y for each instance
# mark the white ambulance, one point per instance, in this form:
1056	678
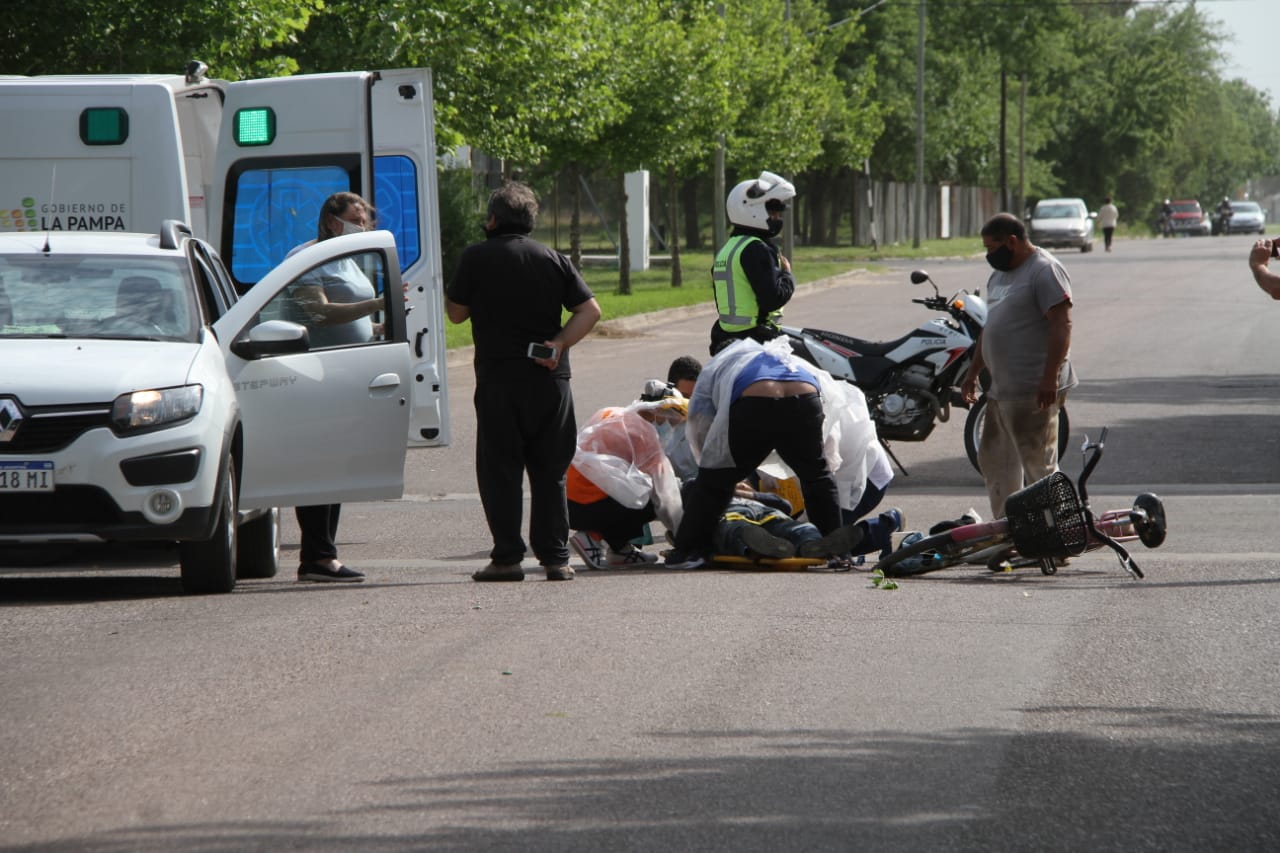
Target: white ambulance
247	165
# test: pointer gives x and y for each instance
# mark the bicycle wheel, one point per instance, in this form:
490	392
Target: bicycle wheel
977	417
948	551
1152	529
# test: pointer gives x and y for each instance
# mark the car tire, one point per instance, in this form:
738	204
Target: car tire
258	546
209	566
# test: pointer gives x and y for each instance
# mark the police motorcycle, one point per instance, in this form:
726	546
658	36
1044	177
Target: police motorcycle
912	382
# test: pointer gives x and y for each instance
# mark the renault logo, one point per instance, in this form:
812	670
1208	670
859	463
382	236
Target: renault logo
10	420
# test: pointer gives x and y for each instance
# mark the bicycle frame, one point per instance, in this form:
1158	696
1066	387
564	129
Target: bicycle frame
992	541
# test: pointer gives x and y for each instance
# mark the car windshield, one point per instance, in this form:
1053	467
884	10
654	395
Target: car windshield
96	296
1245	207
1057	211
1186	207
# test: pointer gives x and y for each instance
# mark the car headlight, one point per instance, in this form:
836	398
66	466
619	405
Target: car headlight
143	410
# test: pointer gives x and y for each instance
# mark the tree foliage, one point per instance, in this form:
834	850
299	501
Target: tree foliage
236	38
1121	98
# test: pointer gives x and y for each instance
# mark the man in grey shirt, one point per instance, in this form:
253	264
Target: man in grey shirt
1026	347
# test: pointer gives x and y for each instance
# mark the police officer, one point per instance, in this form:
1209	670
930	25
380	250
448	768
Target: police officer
752	279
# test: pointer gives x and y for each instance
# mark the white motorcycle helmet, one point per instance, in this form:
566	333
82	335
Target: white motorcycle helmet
749	202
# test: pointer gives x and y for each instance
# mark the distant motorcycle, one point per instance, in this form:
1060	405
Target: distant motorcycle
911	382
1221	223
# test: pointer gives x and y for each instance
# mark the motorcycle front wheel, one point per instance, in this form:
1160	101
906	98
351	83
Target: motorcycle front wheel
978	416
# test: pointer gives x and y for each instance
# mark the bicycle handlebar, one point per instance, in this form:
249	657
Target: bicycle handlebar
1090	463
1094	451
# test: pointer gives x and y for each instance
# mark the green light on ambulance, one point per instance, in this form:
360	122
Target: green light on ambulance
255	126
104	126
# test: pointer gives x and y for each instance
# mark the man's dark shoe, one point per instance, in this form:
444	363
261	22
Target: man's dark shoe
559	573
762	542
495	572
838	542
328	574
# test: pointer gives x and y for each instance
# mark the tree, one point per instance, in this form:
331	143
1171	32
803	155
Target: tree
677	93
236	38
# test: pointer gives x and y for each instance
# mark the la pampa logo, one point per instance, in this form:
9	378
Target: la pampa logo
20	218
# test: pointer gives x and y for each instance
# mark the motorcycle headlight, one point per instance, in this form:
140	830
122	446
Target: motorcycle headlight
159	407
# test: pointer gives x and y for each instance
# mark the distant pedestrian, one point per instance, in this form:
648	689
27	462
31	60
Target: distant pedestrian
1108	216
514	290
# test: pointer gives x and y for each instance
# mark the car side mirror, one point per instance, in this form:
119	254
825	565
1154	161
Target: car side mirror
274	337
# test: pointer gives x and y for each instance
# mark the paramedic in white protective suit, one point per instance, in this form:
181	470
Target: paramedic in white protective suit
753	399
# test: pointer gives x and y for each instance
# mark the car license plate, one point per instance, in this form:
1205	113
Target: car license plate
26	476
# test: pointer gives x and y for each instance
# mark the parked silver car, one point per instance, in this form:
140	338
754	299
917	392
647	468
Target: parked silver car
1062	223
1247	217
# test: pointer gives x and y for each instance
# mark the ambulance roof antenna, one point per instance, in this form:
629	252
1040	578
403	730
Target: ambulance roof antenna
53	183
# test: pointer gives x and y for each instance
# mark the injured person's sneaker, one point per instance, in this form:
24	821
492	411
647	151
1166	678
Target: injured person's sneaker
590	548
763	543
842	540
629	556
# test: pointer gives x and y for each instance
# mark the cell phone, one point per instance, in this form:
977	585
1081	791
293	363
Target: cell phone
1275	247
541	351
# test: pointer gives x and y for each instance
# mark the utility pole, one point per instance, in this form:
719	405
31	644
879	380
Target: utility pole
719	231
918	219
789	222
1022	146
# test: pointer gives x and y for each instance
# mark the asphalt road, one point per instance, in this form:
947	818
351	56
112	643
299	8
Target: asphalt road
712	710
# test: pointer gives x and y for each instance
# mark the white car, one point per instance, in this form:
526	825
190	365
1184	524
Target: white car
142	399
1062	223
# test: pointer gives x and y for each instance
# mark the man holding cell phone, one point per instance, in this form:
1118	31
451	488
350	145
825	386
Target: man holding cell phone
514	291
1259	257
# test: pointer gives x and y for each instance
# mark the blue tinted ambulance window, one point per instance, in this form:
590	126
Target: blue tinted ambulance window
275	210
395	182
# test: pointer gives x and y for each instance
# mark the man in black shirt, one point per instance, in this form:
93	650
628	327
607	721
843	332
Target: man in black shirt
513	290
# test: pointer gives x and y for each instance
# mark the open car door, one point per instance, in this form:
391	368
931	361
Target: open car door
288	143
323	420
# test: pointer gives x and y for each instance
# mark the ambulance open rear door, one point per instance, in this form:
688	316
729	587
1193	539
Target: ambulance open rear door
288	143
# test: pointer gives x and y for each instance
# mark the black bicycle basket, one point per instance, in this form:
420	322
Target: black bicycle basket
1046	519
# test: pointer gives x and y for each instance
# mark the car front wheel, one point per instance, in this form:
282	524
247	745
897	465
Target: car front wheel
210	566
258	546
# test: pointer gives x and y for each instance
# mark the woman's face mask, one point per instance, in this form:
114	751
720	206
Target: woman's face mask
351	228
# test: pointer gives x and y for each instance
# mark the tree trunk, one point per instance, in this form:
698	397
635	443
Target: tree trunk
692	236
1004	146
624	239
575	217
673	227
816	203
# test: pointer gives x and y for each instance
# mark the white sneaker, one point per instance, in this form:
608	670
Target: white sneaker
590	548
633	556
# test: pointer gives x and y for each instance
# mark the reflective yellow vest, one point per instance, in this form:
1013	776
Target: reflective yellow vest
735	300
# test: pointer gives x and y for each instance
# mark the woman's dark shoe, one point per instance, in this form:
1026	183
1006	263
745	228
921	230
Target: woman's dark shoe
328	573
